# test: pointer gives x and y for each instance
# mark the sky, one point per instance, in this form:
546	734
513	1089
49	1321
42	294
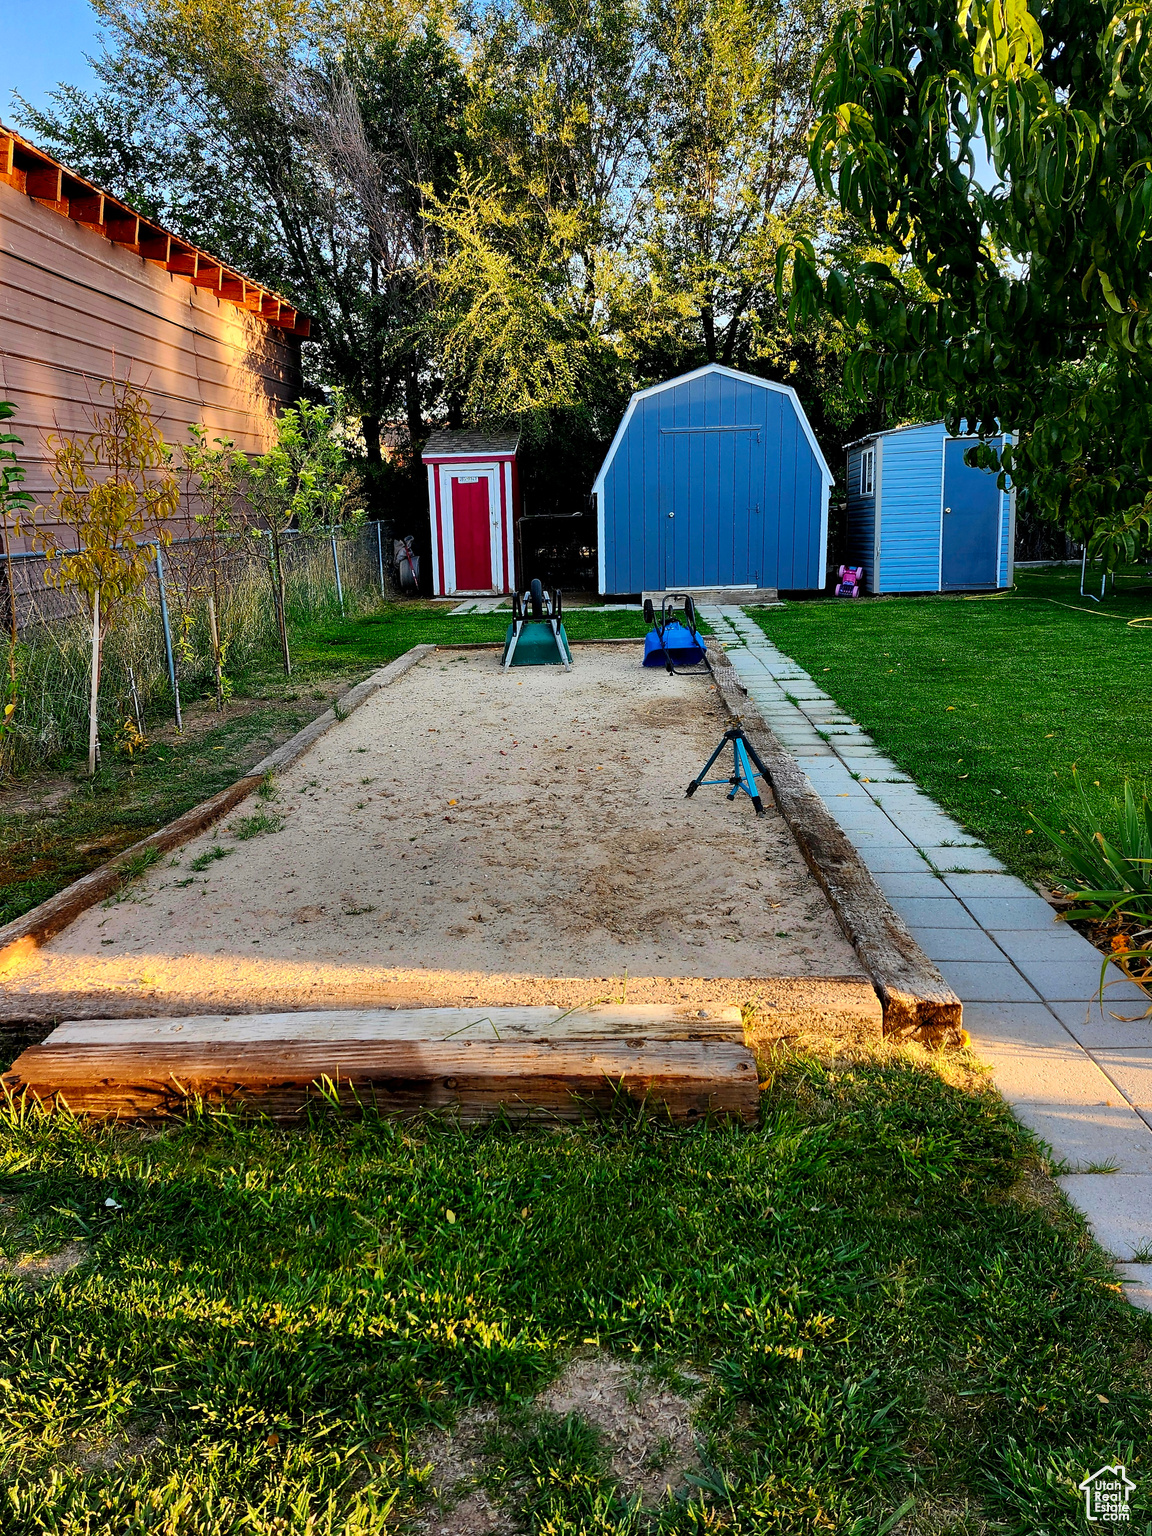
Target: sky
44	43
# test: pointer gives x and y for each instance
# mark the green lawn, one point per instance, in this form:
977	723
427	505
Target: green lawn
393	629
879	1287
989	704
87	821
881	1292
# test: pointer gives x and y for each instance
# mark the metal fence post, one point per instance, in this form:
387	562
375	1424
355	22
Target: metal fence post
336	563
168	636
380	555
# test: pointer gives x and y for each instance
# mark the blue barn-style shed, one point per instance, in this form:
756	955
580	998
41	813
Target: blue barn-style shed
921	520
714	479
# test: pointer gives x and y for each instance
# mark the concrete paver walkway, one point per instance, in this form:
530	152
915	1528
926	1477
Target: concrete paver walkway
1078	1077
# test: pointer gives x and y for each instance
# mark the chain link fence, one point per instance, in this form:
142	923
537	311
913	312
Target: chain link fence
324	577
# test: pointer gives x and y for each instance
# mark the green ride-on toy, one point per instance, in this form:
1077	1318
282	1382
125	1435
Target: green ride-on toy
536	635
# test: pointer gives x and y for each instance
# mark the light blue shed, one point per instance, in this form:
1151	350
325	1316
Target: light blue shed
921	520
714	479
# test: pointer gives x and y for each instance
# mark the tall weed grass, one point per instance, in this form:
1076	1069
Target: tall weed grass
49	726
1111	866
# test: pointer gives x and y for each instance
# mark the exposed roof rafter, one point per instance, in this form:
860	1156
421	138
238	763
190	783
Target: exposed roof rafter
46	181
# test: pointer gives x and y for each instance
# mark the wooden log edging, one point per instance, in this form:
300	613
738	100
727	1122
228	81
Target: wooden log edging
918	1003
476	1080
23	935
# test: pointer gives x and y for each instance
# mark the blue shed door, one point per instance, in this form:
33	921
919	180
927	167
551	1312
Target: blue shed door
711	530
971	521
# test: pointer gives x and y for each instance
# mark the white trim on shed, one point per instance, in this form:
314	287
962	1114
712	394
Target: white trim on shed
827	479
686	378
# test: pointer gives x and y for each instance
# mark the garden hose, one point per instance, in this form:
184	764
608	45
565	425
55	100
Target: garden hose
1097	613
999	597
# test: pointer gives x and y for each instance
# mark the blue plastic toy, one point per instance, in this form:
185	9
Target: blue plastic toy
671	644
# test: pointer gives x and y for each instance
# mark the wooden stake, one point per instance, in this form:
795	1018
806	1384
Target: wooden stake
168	651
284	622
339	583
276	571
214	632
136	707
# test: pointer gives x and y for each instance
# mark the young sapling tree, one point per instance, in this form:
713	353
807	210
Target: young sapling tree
214	471
114	495
305	484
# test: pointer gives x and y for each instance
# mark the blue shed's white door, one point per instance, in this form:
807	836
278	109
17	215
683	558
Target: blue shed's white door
711	528
971	534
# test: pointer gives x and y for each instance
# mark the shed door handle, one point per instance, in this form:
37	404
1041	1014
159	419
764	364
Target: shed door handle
947	510
671	514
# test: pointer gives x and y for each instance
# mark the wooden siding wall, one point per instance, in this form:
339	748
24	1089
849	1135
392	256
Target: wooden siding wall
76	309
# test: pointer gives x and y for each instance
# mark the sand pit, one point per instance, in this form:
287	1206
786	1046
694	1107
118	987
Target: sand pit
469	836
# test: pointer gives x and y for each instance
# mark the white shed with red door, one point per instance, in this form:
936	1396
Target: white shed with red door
473	507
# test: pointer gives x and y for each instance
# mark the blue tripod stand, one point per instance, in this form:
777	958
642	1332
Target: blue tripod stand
742	776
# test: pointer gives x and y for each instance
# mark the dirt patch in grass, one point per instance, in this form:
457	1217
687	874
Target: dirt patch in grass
105	1453
460	1506
42	1269
944	1517
474	1514
646	1427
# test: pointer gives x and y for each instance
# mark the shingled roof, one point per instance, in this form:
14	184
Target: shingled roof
446	444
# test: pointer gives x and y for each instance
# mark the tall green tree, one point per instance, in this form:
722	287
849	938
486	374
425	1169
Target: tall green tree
1032	311
294	138
636	166
729	179
557	123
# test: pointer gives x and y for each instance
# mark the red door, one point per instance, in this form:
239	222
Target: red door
472	535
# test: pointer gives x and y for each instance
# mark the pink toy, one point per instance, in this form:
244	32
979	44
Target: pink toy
851	581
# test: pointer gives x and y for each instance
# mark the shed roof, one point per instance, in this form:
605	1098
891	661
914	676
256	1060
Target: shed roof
910	426
468	442
699	373
43	179
907	426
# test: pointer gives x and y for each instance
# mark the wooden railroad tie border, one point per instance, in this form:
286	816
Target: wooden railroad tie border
475	1080
918	1003
630	1023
